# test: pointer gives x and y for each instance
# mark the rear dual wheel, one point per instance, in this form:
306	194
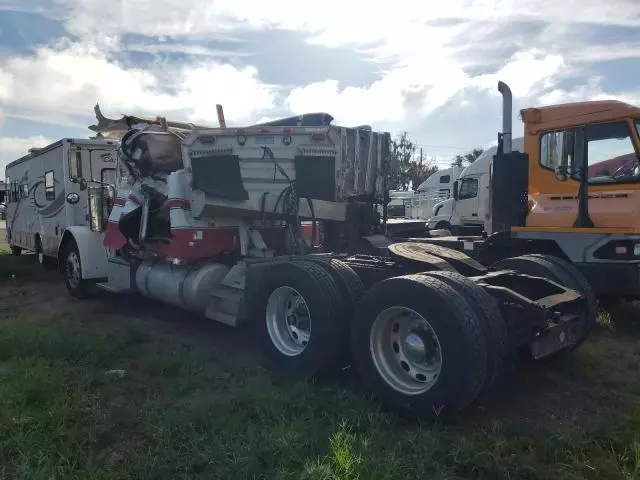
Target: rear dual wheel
420	345
305	307
427	343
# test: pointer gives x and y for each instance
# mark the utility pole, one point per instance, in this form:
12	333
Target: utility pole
420	155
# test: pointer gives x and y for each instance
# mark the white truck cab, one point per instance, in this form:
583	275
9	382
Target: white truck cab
468	209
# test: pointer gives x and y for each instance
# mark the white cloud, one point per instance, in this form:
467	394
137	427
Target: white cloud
527	73
65	80
334	21
12	148
186	49
415	90
588	92
420	43
601	53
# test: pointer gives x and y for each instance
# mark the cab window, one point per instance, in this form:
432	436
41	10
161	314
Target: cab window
611	155
468	188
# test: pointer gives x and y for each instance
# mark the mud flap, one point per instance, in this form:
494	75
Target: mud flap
560	336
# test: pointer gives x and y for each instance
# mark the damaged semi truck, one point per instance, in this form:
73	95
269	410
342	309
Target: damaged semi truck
212	220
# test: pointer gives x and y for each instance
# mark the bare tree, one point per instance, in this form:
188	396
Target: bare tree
467	158
410	169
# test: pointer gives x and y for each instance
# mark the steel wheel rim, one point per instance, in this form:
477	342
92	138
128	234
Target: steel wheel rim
405	350
288	321
73	269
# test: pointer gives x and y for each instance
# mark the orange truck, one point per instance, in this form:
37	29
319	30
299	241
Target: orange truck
573	193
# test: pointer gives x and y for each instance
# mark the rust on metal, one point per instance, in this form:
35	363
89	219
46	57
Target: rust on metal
450	254
415	252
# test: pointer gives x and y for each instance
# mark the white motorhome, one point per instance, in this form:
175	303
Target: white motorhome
47	192
435	189
469	212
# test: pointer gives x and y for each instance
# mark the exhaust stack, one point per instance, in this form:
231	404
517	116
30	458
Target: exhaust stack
507	116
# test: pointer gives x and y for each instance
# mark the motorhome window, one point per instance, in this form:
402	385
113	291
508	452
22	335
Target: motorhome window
49	185
468	188
7	189
75	164
611	155
445	179
25	190
15	191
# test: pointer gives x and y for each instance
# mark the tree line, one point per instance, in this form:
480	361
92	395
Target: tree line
412	168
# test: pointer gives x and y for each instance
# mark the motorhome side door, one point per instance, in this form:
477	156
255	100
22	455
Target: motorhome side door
88	164
467	203
77	168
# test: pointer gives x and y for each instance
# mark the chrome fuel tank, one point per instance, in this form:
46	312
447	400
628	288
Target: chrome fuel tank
185	286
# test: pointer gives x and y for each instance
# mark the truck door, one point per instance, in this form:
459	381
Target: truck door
613	172
467	202
78	165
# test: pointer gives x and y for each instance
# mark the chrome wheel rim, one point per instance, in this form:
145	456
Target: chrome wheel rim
405	350
288	321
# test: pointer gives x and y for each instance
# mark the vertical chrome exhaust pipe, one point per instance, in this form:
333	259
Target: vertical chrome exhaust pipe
507	116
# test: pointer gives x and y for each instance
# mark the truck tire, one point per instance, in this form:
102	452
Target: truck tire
500	353
581	284
297	313
418	346
555	270
347	280
71	269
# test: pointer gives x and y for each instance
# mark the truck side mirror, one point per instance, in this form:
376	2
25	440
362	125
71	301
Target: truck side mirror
455	190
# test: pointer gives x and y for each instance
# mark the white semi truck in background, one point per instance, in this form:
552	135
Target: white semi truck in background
468	209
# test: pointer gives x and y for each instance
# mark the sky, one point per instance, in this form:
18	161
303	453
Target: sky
428	68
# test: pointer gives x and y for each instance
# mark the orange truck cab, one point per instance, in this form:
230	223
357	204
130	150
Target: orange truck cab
580	170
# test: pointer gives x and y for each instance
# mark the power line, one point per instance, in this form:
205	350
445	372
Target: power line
446	146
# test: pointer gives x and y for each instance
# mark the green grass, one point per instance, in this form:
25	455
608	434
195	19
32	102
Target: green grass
187	407
18	268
